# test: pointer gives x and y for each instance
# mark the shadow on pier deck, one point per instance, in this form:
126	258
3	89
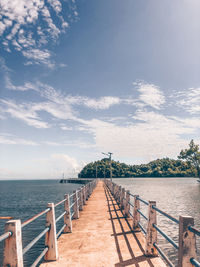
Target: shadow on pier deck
102	237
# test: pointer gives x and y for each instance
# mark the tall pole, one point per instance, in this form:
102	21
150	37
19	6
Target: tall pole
109	154
110	165
96	170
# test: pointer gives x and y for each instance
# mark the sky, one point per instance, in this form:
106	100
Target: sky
82	77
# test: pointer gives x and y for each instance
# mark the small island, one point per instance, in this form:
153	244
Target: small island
187	165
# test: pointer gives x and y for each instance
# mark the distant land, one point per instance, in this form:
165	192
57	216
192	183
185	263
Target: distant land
158	168
187	165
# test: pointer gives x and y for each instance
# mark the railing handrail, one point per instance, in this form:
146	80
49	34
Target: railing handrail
50	218
143	201
35	263
166	214
163	255
60	202
165	236
195	262
194	230
30	220
42	213
5	236
139	210
60	231
60	217
157	209
130	204
35	240
125	204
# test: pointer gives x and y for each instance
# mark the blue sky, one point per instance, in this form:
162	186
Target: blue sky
79	77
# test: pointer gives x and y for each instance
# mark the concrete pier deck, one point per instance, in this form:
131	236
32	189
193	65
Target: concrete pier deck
102	237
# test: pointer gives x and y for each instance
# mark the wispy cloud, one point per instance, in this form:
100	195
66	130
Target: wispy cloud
27	85
150	94
102	103
161	135
53	166
20	26
23	112
189	100
38	56
64	127
158	135
61	163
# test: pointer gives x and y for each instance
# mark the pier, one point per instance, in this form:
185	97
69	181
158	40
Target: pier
102	227
75	181
102	236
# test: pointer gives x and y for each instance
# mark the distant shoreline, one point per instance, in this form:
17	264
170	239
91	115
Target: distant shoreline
29	180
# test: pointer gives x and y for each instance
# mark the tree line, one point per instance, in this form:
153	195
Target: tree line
187	165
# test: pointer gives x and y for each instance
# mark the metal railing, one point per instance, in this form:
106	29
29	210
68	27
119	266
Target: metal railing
13	234
187	241
5	236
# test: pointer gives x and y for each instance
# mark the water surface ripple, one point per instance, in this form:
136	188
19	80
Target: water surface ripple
23	199
176	196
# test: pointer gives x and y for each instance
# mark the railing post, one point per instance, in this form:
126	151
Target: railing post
81	199
13	255
187	242
115	192
50	237
151	236
113	188
88	193
84	195
75	207
122	198
67	216
127	206
136	215
118	193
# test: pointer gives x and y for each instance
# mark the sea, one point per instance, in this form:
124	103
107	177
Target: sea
22	199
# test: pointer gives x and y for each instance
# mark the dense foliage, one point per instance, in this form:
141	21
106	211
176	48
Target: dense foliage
158	168
192	156
187	165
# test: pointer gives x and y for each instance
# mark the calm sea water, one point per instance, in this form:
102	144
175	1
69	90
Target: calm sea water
176	196
23	199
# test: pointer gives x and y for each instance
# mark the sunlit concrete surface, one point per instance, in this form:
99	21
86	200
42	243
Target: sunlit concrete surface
102	237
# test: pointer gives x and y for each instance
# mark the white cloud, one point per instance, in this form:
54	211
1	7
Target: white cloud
49	167
189	100
102	103
39	57
27	85
58	163
151	135
150	94
24	112
63	111
144	134
65	128
19	18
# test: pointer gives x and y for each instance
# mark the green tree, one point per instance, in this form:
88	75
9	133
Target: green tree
192	156
157	168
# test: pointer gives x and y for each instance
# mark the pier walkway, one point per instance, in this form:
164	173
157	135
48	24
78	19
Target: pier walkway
102	237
